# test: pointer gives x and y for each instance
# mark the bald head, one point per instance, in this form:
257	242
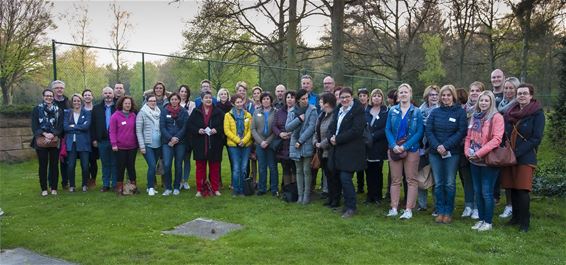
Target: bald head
497	78
328	84
108	95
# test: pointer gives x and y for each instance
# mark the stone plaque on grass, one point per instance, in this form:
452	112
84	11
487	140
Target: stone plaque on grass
204	228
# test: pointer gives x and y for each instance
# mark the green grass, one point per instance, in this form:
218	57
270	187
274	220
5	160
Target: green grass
101	228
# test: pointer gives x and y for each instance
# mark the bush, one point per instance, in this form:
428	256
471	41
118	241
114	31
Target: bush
550	179
558	117
23	109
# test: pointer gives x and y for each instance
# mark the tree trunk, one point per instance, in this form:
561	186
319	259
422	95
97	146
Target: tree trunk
292	76
337	26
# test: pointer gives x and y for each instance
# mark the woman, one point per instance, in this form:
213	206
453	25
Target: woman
363	97
224	102
122	133
376	118
346	137
172	124
509	93
404	132
77	140
47	126
242	90
237	127
189	105
159	92
256	97
484	134
322	133
149	139
278	128
92	164
255	106
263	136
445	129
430	97
301	123
524	125
206	132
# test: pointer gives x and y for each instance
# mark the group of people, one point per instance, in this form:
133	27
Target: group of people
337	131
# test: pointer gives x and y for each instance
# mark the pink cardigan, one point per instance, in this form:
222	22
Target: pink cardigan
122	131
498	128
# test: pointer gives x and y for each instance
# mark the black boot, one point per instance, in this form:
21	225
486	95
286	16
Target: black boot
514	203
524	202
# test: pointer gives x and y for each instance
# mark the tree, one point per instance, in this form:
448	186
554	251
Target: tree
433	72
81	34
558	117
120	27
462	17
23	26
494	27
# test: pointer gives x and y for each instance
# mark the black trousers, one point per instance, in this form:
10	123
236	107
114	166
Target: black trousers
521	201
333	181
92	163
360	182
374	176
48	161
126	161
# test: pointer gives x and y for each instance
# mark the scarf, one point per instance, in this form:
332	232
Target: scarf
505	105
207	113
426	110
469	108
153	114
515	113
239	118
475	130
48	116
173	111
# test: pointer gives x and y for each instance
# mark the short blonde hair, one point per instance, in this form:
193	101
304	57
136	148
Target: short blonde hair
427	91
374	92
223	90
452	90
478	84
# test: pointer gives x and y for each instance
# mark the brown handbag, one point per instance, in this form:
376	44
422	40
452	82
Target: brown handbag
40	142
500	156
315	161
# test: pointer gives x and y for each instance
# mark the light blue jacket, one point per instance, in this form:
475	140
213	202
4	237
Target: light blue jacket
303	132
80	131
416	127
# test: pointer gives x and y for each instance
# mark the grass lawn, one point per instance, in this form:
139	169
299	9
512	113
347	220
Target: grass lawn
101	228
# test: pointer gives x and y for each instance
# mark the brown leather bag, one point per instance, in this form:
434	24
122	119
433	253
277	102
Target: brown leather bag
40	142
315	162
500	156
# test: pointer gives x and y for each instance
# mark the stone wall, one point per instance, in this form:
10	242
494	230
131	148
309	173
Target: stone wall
15	137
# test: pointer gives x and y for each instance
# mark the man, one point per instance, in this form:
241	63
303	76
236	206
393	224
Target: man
497	81
280	91
205	87
62	102
119	91
328	84
99	130
307	84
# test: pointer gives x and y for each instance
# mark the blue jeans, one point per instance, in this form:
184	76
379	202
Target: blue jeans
348	189
108	161
266	158
483	178
422	198
72	162
239	157
444	172
467	185
151	157
187	163
177	152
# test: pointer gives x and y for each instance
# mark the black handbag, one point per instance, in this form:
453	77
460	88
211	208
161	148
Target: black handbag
248	186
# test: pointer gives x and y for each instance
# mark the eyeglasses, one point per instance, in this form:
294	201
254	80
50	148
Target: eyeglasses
152	100
345	97
523	94
433	95
48	96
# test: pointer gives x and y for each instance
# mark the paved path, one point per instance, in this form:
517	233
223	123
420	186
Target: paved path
24	256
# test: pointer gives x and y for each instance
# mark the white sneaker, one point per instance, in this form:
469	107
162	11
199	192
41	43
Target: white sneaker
392	212
85	188
186	186
44	193
53	192
166	193
72	189
467	212
176	192
475	214
151	192
217	193
434	213
477	225
407	214
485	227
198	194
507	212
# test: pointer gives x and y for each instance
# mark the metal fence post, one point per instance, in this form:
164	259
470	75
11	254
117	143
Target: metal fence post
208	61
143	72
54	59
259	75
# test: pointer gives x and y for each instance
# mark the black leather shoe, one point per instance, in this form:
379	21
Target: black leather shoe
260	193
348	213
524	229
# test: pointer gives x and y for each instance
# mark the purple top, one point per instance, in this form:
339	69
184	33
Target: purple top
122	131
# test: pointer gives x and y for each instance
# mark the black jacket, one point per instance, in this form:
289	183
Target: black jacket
378	150
37	130
98	129
532	129
206	147
349	153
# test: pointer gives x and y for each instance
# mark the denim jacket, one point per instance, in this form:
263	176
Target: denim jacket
416	127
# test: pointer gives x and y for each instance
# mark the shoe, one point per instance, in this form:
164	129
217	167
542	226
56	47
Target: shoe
324	195
186	186
217	193
467	212
300	200
72	189
512	221
176	192
477	225
105	189
360	191
475	214
407	214
65	186
198	194
328	202
485	227
348	213
166	193
334	205
119	188
422	209
85	188
392	212
151	192
44	193
524	229
439	219
369	201
53	192
507	212
447	219
434	213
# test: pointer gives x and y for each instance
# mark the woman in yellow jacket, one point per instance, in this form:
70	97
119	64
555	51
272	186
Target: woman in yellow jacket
237	123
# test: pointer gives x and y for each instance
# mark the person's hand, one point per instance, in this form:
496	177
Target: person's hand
302	117
264	144
175	140
282	135
441	150
333	140
241	143
201	131
297	145
49	136
473	158
95	143
142	150
213	131
115	148
317	145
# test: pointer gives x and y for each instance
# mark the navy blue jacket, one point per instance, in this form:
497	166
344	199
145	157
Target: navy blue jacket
80	130
378	150
98	129
532	129
170	127
349	154
447	126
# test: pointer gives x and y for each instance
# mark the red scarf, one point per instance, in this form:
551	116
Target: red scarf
515	113
173	111
207	113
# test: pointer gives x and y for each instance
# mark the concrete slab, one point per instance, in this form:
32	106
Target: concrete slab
204	228
24	256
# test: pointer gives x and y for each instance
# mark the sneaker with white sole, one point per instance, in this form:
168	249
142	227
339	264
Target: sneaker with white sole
467	212
44	193
151	192
485	227
217	193
176	192
186	186
434	213
507	212
85	188
407	214
72	189
477	225
198	194
392	212
166	193
53	192
475	214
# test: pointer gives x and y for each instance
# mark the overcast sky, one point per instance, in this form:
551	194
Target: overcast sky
157	25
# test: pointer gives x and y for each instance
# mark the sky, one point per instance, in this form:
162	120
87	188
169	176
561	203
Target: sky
157	25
